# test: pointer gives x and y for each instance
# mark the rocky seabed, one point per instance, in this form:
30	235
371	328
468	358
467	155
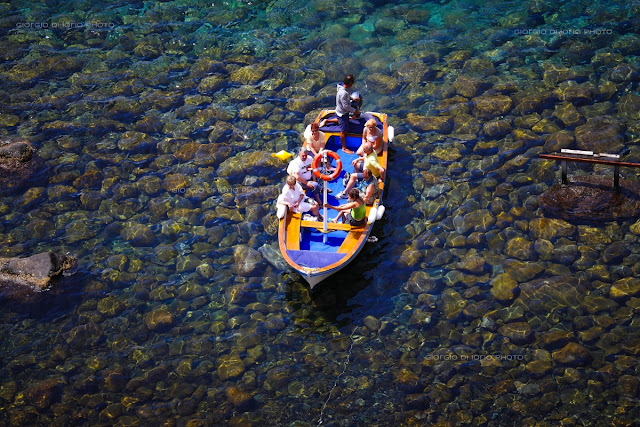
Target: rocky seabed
476	306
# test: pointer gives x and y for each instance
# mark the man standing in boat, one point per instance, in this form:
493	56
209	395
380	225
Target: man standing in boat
344	108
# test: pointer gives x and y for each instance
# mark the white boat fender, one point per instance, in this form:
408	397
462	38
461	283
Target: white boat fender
391	133
372	215
281	211
380	212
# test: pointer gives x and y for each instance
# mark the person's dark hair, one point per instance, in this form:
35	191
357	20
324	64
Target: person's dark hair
348	79
314	126
354	193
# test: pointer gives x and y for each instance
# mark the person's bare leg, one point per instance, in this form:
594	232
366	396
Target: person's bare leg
315	210
343	141
352	182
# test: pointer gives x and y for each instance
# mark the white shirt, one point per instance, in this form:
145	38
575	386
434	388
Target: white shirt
300	167
292	196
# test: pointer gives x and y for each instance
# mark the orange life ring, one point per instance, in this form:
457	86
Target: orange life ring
316	162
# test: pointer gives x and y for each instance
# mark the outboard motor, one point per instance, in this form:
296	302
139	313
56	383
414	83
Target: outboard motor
356	100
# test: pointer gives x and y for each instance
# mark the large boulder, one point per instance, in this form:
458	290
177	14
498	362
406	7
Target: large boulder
36	271
591	198
602	134
19	165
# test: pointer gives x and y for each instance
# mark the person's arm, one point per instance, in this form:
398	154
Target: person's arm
378	142
296	204
311	147
381	169
346	206
300	179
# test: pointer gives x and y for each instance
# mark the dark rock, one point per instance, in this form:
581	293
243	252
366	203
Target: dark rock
551	294
421	282
556	73
503	287
478	67
602	134
138	234
159	318
18	150
248	260
629	105
19	165
83	336
532	100
497	128
557	141
568	114
413	72
136	142
550	229
555	338
36	271
572	354
625	288
44	393
592	199
517	332
382	83
439	124
615	253
488	107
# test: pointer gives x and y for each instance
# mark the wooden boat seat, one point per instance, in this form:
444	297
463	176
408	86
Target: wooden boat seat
330	225
293	231
350	241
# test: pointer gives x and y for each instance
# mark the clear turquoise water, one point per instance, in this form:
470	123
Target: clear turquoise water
157	120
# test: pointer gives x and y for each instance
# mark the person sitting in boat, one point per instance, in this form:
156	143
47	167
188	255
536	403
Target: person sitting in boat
315	139
300	169
370	162
294	197
366	183
353	212
368	187
373	134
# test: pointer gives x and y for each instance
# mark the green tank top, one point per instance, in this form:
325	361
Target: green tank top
359	212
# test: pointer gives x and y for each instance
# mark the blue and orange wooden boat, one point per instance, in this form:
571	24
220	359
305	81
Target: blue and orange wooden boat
305	246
